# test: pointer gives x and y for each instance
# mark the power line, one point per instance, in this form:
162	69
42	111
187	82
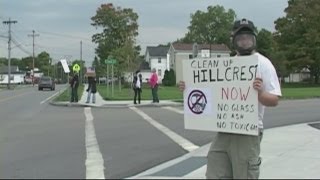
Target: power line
18	38
3	36
65	35
20	47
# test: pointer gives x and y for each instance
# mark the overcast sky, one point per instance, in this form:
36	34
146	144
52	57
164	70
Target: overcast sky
62	24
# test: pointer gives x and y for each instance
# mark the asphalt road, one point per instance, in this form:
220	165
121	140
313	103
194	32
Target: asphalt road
38	140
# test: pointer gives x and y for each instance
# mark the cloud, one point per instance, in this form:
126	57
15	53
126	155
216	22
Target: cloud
158	35
160	22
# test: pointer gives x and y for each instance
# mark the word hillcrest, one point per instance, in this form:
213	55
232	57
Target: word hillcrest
242	73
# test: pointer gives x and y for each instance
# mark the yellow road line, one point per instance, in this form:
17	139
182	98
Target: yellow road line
12	97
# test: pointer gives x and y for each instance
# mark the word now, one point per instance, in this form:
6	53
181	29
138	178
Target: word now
235	93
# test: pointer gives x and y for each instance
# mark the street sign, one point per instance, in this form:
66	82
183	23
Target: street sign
110	61
65	65
76	68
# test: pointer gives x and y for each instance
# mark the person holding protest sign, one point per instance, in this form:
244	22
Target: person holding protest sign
92	89
237	156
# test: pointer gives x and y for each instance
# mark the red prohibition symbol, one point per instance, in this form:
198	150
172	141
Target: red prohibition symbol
197	101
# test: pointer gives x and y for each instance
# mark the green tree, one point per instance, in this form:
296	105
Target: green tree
3	61
96	65
26	63
212	26
127	60
172	77
265	42
298	35
43	62
16	62
119	29
169	78
268	47
166	78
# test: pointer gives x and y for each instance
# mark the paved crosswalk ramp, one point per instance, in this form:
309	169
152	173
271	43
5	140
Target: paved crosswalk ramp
287	152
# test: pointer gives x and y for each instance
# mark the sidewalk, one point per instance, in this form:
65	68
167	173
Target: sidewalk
100	102
290	152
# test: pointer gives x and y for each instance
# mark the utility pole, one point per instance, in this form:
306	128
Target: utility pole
9	49
33	35
80	74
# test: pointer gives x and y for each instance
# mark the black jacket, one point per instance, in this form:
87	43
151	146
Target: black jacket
135	79
75	81
92	85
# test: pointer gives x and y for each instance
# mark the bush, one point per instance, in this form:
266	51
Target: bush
172	78
169	78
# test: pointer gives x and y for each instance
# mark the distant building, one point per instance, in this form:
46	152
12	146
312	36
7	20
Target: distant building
298	76
17	77
157	57
179	52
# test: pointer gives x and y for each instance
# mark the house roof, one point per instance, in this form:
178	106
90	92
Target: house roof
158	51
188	47
4	69
144	66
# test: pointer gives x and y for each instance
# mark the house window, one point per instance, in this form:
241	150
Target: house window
205	53
159	72
159	60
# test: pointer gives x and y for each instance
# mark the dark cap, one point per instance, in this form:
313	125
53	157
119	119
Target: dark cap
243	25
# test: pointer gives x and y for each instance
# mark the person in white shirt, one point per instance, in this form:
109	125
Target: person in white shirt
237	156
137	84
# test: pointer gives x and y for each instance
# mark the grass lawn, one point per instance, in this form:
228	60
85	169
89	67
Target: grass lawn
289	91
66	95
300	93
164	92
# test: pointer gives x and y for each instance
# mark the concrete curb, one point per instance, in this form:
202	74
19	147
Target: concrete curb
101	103
68	104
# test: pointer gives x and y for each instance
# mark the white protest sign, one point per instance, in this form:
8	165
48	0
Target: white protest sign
65	65
219	94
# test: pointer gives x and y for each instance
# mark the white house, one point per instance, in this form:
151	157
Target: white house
179	52
17	77
146	74
298	76
157	57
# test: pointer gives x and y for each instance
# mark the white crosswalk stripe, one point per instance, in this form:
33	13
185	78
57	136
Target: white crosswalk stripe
184	143
174	109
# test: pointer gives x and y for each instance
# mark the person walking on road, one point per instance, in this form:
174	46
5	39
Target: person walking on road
74	84
92	89
153	81
137	87
237	156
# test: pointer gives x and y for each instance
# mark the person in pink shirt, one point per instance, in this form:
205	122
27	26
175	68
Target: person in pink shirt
153	81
